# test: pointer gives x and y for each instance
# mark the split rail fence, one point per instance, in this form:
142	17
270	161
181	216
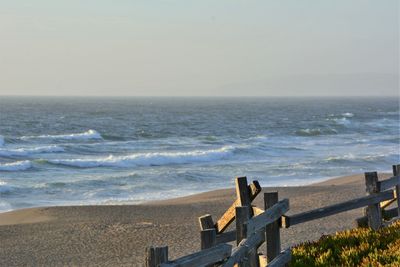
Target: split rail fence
256	226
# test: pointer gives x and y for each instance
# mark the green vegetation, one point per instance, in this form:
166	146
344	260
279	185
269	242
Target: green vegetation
356	247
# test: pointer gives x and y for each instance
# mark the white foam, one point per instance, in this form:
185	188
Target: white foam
5	206
148	159
21	152
1	140
348	156
4	187
16	166
90	134
348	115
343	121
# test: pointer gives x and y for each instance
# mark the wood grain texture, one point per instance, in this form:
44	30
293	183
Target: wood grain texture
340	207
373	211
208	238
239	253
201	258
282	259
206	222
268	216
272	231
229	216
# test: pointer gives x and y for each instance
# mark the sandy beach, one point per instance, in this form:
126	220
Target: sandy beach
118	235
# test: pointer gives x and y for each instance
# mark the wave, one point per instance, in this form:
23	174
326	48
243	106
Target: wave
90	134
341	158
5	188
315	132
1	141
148	159
16	166
364	158
21	152
348	115
343	121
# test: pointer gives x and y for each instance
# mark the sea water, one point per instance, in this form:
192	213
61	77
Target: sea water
74	151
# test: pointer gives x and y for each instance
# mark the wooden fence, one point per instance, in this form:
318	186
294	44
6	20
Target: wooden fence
255	226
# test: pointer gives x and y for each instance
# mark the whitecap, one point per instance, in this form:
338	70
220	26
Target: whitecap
341	158
348	115
148	159
5	188
90	134
16	166
343	121
23	152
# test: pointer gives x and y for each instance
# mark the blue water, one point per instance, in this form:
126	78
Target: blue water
73	151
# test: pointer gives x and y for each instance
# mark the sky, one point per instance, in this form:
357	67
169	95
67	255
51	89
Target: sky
199	48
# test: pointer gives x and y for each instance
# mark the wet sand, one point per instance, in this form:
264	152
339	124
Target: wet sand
118	235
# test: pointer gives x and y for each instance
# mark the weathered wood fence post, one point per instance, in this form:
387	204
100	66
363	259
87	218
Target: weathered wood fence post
396	172
243	214
208	234
272	232
373	211
156	256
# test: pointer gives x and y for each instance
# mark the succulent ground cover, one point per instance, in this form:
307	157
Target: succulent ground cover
356	247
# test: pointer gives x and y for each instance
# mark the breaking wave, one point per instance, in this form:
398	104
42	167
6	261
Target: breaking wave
23	152
16	166
348	115
343	121
148	159
90	134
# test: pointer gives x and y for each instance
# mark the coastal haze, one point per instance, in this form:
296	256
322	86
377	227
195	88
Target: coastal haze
206	48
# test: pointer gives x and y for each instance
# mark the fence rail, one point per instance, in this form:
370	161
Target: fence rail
255	226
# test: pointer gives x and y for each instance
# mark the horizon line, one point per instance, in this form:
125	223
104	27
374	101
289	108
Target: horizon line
203	96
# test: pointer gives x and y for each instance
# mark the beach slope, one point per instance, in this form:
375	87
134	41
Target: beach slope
118	235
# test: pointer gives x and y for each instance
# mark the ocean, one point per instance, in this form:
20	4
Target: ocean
86	151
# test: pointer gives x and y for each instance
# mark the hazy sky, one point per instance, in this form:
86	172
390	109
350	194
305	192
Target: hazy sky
223	47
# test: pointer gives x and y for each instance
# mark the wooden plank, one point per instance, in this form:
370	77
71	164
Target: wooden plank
373	211
242	192
256	210
226	237
229	216
363	221
156	256
208	238
272	231
239	253
206	222
282	259
268	217
387	203
396	172
208	256
242	216
262	260
340	207
285	221
389	183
